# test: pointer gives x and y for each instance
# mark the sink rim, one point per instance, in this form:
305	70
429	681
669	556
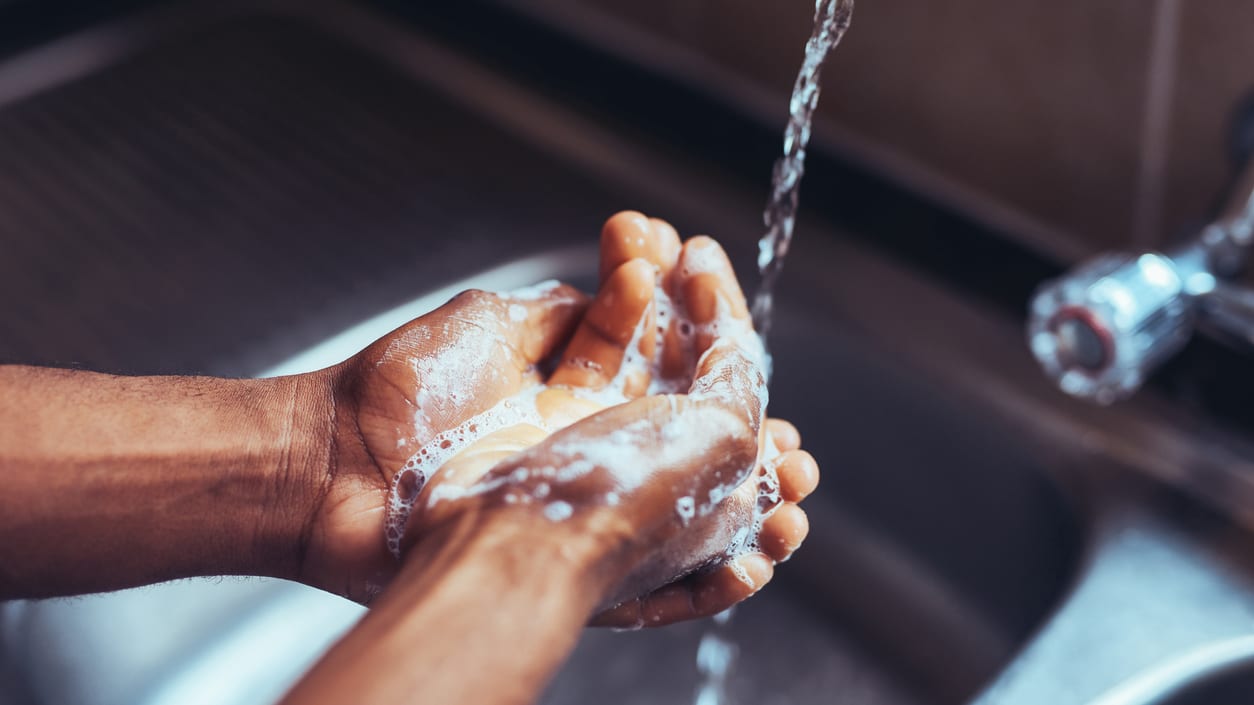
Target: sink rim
1163	683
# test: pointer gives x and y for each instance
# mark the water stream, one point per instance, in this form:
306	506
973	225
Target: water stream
716	653
831	19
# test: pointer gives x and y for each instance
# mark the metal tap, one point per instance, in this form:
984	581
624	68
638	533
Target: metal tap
1103	327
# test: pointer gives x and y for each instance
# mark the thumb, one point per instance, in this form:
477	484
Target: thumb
539	320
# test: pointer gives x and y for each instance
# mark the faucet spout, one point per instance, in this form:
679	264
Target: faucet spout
1103	327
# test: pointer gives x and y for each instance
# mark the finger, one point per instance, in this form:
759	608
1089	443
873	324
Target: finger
706	288
539	320
731	583
708	283
621	616
630	235
783	531
785	435
798	474
728	376
602	343
699	595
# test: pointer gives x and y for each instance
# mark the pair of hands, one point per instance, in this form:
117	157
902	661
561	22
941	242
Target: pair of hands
440	370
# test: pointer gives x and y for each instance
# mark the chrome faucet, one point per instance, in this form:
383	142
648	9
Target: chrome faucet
1103	327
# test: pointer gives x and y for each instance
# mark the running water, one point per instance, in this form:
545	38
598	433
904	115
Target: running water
831	19
717	653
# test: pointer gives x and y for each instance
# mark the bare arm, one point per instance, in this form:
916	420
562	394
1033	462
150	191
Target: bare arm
111	482
478	614
115	481
494	589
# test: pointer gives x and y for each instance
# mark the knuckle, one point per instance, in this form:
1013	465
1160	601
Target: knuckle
475	298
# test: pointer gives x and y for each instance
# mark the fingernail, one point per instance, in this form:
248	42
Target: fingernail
755	569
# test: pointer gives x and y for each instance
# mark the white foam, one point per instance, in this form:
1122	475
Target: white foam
442	447
702	260
686	508
558	511
633	363
618	453
737	569
665	313
672	431
534	292
442	376
768	483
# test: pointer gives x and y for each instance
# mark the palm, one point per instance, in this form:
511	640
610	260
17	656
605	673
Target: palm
441	370
705	346
422	379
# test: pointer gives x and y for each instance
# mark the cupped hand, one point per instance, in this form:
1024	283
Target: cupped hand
422	379
678	487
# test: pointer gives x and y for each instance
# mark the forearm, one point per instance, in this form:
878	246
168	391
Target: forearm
111	481
485	596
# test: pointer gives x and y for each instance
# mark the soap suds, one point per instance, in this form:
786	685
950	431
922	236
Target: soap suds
535	292
736	343
686	508
442	375
558	511
442	447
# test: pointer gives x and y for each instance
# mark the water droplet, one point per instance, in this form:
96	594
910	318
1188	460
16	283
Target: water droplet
686	508
558	511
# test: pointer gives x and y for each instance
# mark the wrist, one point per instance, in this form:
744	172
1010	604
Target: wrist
472	589
301	467
164	477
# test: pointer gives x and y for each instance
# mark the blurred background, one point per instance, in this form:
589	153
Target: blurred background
1085	125
1067	129
256	188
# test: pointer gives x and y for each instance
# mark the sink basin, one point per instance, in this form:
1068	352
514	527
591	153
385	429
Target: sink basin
940	539
900	567
1223	673
902	594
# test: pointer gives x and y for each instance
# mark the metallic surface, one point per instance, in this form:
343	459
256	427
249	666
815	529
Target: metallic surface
1134	309
974	527
1146	306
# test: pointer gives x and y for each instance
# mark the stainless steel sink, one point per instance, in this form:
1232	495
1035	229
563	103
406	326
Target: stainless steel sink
971	523
1220	673
901	565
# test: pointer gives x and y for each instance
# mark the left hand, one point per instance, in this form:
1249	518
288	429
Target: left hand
382	404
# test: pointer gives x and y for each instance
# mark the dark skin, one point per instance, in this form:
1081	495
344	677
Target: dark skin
382	387
113	482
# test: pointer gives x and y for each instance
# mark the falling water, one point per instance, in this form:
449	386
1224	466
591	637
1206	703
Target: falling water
717	652
831	19
715	655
